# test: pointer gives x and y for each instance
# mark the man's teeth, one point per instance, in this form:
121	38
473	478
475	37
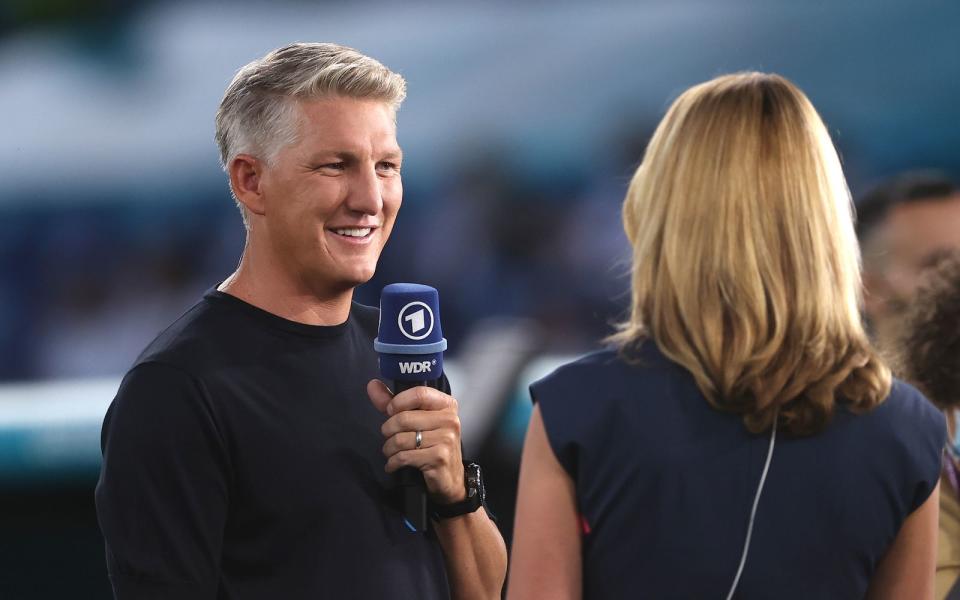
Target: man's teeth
354	231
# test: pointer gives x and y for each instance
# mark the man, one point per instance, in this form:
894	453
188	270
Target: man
249	451
903	226
930	359
906	226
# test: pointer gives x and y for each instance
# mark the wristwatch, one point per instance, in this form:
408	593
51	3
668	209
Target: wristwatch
476	495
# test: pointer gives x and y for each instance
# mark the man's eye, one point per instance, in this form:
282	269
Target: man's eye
334	166
388	167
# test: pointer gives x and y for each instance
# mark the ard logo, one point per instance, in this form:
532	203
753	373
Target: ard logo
415	321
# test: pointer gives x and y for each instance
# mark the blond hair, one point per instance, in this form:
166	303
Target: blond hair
746	269
258	112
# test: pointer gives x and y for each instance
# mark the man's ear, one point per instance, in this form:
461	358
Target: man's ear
246	173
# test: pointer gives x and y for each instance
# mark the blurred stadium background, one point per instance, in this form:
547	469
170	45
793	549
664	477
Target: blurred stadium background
522	126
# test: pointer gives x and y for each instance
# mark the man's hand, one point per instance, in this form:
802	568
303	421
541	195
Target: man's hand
473	550
434	415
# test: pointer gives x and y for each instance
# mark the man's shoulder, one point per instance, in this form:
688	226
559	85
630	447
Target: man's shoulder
190	338
213	332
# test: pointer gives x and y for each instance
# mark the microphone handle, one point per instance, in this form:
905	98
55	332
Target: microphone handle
413	490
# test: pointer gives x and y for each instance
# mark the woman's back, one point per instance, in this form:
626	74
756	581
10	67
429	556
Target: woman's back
665	483
745	300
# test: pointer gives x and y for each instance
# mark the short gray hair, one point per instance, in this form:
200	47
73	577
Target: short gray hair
257	114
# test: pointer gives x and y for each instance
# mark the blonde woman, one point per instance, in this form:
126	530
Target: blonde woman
742	438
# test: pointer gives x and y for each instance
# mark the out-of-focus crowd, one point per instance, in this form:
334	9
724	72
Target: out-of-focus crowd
909	230
85	287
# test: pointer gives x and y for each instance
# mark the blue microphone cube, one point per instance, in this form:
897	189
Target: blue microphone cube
409	339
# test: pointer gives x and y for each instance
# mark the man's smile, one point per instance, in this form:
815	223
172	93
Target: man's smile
353	235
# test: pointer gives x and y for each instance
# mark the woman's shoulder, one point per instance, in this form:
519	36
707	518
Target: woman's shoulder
586	367
905	426
606	368
902	439
906	409
586	364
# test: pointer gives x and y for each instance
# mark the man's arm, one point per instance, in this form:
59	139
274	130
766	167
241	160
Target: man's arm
162	495
475	555
474	552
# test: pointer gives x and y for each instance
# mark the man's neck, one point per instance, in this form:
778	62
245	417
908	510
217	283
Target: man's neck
268	287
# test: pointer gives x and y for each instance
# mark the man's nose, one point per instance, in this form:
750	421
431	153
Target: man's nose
366	193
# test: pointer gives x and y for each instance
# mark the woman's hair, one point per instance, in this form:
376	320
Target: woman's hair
930	348
746	269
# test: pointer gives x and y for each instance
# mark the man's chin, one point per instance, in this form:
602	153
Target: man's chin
325	281
357	276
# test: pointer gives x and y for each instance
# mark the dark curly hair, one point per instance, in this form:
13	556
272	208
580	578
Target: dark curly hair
930	347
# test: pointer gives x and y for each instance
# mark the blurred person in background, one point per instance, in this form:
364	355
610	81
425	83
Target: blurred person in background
930	358
248	452
903	225
742	436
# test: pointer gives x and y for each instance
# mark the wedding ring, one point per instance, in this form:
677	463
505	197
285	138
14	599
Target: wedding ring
419	439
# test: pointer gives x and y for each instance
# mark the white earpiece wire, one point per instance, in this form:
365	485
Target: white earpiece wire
756	502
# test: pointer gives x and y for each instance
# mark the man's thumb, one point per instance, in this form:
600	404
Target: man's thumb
380	395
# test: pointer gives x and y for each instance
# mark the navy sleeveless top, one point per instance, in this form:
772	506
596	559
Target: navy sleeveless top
665	483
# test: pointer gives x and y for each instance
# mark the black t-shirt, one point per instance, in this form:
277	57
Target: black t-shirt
665	484
242	459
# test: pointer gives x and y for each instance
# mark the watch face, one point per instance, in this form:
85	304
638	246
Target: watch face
474	481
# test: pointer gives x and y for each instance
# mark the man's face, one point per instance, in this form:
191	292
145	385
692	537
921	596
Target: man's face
331	199
909	240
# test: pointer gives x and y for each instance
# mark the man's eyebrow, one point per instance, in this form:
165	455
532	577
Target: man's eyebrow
394	154
347	155
323	155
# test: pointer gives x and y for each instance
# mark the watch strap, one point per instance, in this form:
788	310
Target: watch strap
474	500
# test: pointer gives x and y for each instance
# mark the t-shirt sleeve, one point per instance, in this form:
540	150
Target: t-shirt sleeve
163	490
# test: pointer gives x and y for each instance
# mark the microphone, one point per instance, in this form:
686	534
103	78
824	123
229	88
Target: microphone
410	344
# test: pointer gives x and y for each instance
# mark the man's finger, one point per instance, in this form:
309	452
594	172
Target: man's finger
425	459
380	395
421	397
423	420
407	440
